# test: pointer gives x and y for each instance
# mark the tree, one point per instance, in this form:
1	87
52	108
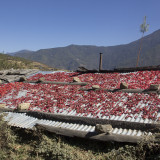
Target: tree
143	28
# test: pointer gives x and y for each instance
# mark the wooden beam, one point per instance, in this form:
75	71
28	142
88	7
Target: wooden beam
152	127
60	83
147	91
89	135
6	110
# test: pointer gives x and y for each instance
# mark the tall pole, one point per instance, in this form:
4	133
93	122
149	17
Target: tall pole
100	62
139	50
143	29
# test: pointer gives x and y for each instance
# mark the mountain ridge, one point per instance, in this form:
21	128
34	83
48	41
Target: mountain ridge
72	56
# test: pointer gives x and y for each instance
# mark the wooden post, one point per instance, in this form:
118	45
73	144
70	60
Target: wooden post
100	62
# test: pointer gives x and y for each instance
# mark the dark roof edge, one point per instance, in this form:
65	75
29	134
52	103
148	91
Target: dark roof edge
122	70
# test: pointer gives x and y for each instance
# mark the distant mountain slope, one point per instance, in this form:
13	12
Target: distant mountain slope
21	51
73	56
8	62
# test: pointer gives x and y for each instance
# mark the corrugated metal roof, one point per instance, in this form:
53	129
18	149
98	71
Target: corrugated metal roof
23	121
67	111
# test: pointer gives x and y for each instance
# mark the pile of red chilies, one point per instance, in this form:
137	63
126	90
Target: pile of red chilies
68	99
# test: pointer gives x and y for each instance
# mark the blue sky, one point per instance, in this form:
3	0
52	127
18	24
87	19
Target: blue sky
39	24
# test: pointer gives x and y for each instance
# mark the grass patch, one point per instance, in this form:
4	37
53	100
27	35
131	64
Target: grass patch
8	62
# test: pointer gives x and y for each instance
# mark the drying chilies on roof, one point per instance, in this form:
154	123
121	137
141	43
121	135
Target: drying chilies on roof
104	106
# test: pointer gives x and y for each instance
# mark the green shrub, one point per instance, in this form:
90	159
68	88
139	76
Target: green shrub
24	144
